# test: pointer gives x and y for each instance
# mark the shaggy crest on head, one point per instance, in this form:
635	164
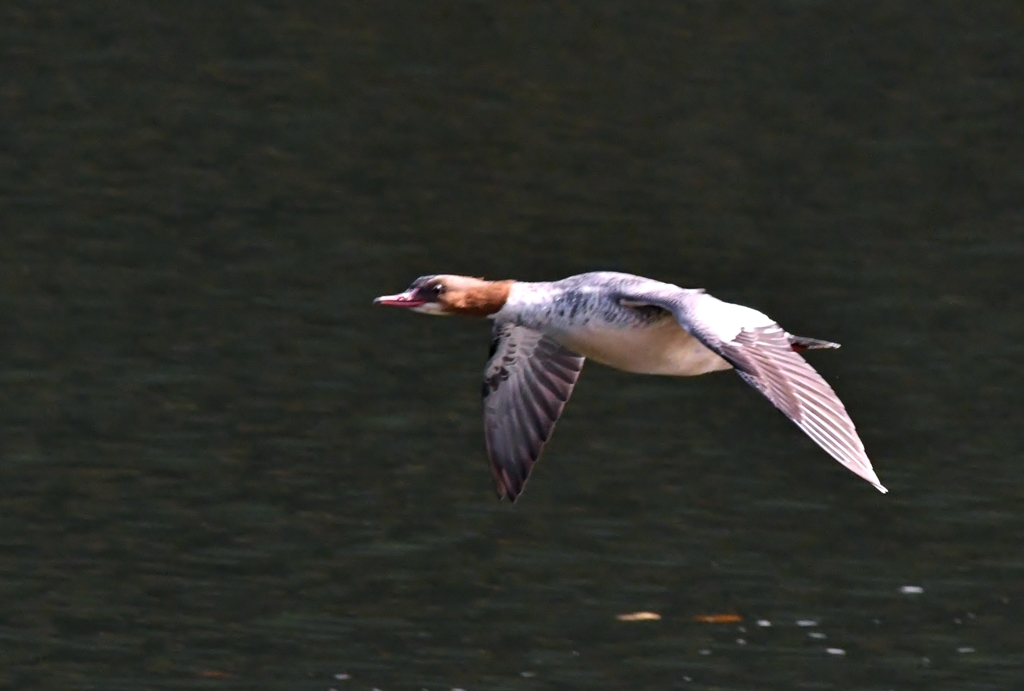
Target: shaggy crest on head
445	294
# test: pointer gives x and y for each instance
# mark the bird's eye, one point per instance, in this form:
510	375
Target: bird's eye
438	289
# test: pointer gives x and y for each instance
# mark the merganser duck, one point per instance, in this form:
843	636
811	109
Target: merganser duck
543	332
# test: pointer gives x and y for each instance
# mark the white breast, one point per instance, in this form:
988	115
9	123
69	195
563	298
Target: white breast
660	348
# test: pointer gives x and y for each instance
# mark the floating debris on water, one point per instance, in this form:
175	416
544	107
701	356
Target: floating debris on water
911	589
806	622
718	618
704	651
741	641
965	649
527	675
835	651
817	634
341	676
764	623
639	616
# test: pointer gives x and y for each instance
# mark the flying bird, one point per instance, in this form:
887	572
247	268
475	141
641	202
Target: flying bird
544	331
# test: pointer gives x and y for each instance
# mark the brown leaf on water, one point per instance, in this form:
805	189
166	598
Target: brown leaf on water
639	616
718	618
215	674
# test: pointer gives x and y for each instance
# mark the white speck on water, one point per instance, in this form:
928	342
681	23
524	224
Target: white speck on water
965	649
764	623
806	622
911	589
341	676
687	679
817	634
740	641
835	651
527	675
704	651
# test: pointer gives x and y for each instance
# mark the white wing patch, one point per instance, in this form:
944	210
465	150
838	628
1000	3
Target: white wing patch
725	320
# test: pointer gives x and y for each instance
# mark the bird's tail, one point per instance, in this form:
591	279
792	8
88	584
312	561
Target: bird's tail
803	343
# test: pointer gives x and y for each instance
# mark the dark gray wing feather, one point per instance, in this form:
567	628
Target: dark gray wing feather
527	381
762	353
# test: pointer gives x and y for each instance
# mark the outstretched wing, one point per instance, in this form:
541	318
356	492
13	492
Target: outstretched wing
527	381
762	353
765	359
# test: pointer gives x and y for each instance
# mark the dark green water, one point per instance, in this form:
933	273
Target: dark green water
222	468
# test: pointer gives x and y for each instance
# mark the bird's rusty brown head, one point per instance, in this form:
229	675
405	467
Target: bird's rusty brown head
446	294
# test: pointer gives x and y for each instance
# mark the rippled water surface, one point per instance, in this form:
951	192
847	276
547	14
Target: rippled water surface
222	468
